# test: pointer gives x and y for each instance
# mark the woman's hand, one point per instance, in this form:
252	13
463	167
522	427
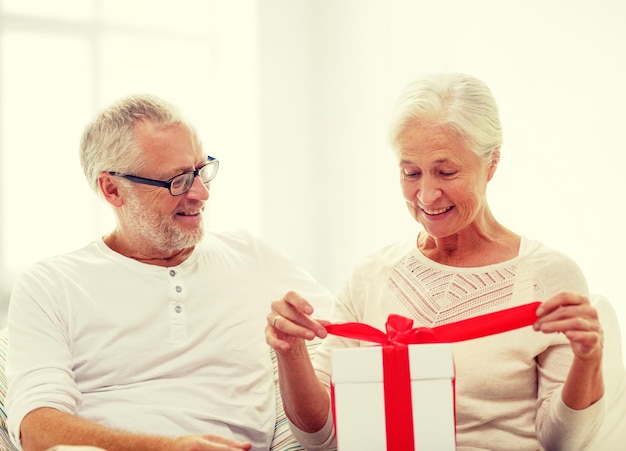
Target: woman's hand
573	315
290	322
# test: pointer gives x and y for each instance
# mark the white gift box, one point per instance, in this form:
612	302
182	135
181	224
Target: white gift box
357	377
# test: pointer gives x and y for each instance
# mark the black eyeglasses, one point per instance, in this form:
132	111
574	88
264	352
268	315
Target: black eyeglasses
181	183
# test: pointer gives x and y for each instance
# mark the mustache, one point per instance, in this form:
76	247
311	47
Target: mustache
191	207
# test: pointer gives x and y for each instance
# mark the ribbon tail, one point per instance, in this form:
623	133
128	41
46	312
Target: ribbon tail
488	324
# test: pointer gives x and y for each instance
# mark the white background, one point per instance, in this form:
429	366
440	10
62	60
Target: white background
294	98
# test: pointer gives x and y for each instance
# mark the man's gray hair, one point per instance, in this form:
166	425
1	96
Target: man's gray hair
458	102
108	142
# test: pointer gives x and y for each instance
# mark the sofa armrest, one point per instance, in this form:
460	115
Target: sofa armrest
5	442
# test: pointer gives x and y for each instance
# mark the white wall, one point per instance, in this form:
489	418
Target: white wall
330	72
304	90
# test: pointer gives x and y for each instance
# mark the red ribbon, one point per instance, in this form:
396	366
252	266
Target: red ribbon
396	371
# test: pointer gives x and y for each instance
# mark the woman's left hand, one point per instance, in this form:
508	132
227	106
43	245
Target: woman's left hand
573	315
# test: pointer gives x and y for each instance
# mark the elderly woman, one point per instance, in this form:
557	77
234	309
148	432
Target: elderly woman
526	389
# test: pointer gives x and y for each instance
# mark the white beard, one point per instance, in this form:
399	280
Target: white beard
156	232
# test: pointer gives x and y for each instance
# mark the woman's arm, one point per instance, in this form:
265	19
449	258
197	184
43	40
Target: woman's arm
574	316
305	398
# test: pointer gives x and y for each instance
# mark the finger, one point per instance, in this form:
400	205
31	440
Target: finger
291	305
280	341
584	337
566	311
298	302
292	315
581	317
286	342
561	300
586	345
272	339
565	323
298	325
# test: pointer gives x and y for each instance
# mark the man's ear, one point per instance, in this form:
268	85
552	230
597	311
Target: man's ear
109	188
493	165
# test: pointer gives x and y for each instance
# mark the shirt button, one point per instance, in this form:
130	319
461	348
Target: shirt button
179	289
178	309
172	272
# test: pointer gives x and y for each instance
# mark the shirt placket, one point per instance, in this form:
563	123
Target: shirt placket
177	308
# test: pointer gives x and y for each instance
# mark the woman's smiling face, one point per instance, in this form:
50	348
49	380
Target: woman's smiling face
443	181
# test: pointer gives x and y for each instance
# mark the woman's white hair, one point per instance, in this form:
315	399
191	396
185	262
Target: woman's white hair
108	142
458	102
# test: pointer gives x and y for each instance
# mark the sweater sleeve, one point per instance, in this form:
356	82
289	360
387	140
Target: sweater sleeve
322	440
559	427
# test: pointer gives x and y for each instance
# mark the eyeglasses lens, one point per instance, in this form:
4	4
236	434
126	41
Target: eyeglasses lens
184	182
181	184
208	172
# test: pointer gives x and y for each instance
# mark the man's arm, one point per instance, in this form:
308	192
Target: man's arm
46	427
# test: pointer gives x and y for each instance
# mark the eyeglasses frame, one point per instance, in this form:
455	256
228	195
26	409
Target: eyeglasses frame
168	183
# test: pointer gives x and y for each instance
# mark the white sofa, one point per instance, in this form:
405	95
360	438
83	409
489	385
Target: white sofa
612	436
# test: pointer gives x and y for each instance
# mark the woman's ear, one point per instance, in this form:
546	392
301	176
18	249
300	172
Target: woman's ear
109	188
493	165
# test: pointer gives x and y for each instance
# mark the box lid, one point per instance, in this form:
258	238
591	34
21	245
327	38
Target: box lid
364	364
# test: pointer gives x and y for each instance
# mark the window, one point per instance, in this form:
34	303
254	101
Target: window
60	63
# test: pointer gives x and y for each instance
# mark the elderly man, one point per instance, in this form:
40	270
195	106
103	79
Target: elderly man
150	338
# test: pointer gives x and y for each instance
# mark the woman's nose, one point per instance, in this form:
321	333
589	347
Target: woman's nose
428	192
